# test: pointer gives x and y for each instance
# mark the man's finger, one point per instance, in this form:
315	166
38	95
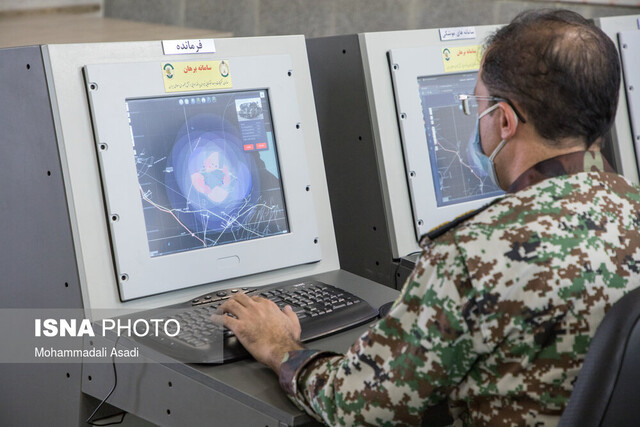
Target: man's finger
242	299
218	319
290	313
232	306
227	321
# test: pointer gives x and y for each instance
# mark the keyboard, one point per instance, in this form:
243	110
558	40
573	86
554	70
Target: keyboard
321	308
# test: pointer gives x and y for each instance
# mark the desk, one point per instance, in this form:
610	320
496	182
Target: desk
242	393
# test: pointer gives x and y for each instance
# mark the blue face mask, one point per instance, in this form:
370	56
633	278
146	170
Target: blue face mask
486	162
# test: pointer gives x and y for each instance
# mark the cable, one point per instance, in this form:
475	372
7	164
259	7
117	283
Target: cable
115	383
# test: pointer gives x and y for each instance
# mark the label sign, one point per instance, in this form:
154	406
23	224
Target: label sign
184	47
465	58
196	75
457	33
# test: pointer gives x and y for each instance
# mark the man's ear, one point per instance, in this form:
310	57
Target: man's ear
508	121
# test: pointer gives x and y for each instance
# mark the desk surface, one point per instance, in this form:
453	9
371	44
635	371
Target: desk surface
238	393
33	29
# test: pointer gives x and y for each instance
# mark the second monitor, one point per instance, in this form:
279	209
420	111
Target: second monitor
443	172
396	141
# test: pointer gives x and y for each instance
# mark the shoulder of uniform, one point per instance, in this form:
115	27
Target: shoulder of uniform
449	225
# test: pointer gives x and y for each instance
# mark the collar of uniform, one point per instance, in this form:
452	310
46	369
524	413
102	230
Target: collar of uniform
565	164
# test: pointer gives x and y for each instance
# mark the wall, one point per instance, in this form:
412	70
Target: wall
316	18
12	7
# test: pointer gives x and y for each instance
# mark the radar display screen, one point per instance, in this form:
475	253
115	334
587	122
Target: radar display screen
457	175
207	170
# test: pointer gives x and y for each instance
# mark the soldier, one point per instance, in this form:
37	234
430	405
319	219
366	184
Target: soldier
499	312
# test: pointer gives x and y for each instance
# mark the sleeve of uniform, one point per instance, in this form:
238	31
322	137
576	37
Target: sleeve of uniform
407	361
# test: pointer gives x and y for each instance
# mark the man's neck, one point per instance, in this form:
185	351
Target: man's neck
527	149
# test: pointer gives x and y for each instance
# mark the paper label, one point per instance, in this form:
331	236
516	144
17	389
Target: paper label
196	75
184	47
465	58
457	33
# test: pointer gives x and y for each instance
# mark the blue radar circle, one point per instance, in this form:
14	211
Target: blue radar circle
213	175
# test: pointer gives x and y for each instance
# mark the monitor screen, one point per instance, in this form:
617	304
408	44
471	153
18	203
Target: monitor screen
457	176
208	170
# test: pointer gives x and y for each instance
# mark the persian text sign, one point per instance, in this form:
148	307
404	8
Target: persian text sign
196	75
466	58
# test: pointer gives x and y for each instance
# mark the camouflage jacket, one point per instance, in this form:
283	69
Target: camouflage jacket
499	312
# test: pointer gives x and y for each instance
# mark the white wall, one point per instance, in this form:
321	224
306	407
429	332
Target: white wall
31	5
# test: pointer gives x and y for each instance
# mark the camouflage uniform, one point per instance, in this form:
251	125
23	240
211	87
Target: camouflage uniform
498	313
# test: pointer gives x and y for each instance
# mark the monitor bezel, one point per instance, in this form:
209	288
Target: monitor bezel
109	86
407	65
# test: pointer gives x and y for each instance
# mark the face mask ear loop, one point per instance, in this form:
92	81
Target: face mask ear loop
497	150
504	141
488	110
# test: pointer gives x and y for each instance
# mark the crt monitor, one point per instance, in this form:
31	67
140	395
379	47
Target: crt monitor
202	180
444	175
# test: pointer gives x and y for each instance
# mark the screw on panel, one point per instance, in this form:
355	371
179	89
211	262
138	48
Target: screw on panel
403	116
103	147
395	66
28	66
412	174
308	188
115	217
124	277
315	241
93	86
420	222
297	125
290	73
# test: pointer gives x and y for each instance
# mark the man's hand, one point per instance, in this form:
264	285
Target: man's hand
265	331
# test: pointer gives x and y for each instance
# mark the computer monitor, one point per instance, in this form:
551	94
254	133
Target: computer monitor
444	175
203	181
395	141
